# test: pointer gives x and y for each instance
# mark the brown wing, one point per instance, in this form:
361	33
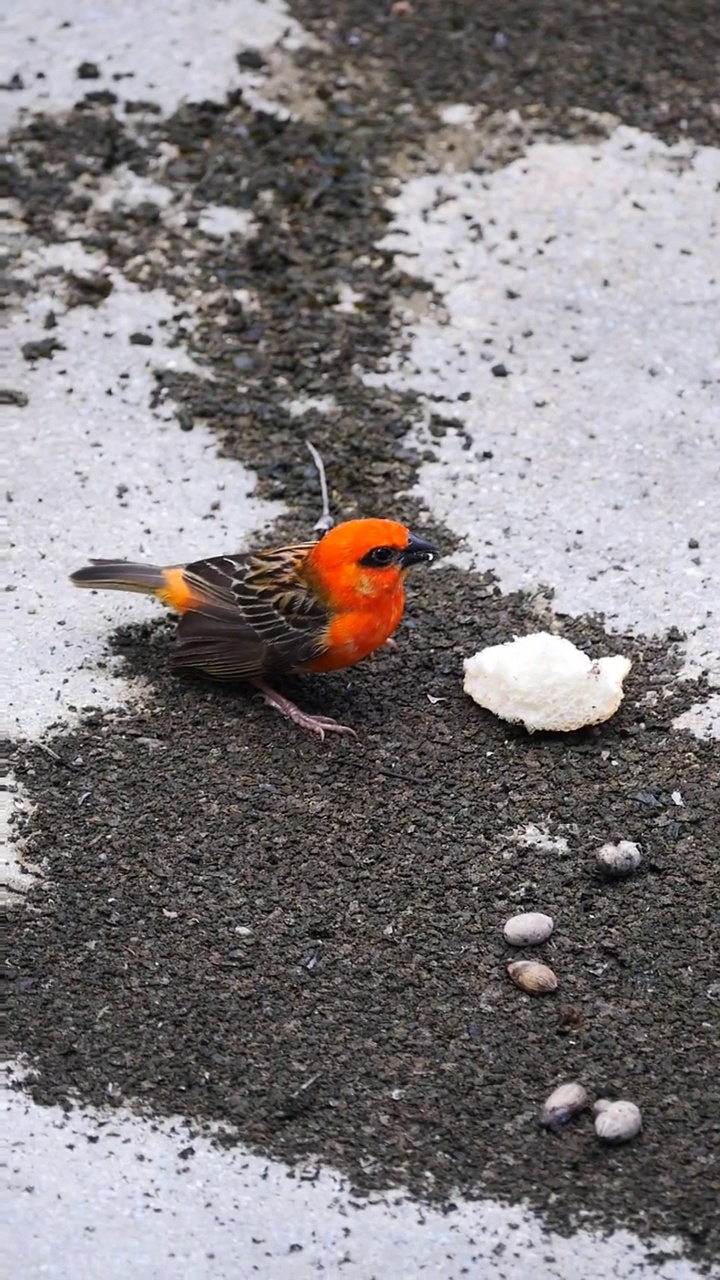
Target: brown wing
256	617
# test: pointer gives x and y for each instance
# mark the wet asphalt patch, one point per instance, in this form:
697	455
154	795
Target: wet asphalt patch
303	942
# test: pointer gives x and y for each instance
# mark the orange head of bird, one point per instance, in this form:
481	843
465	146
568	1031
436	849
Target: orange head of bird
362	562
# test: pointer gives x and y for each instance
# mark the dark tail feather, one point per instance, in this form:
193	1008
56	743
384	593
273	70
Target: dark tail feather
120	575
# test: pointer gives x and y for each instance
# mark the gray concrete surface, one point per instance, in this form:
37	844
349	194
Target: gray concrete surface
169	52
590	272
113	1196
94	473
110	1196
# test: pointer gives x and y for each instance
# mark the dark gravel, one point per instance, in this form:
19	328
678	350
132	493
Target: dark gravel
654	65
374	878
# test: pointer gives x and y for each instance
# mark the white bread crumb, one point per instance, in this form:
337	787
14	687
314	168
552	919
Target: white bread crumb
545	682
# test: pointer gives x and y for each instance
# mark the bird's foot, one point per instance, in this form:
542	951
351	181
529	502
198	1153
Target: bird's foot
314	724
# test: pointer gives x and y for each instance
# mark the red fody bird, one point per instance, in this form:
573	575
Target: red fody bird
315	606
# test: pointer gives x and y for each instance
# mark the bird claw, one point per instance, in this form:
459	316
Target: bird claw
303	719
318	724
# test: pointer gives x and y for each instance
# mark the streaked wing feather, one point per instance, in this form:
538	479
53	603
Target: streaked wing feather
257	617
217	579
214	579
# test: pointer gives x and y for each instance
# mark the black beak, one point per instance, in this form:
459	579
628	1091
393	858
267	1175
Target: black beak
417	551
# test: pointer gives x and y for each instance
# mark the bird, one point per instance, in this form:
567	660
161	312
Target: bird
309	607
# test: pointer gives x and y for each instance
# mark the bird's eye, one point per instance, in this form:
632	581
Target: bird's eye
380	557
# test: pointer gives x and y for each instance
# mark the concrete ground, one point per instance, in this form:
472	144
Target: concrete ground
598	481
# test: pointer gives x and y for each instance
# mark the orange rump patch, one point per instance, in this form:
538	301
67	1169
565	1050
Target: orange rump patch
177	594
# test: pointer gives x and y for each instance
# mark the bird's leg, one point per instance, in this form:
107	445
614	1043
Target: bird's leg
315	724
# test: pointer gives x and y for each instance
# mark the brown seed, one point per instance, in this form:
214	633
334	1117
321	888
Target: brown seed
531	976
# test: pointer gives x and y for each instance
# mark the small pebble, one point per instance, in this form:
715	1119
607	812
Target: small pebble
528	929
617	860
250	60
616	1121
565	1102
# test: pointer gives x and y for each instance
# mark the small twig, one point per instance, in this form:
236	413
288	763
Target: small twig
326	520
308	1084
299	1101
53	755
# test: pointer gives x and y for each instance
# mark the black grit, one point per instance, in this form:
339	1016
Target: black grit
233	910
654	65
303	941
